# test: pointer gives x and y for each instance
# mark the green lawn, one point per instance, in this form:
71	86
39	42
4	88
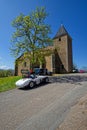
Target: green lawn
8	83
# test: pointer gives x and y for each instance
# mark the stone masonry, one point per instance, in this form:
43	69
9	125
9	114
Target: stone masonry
60	61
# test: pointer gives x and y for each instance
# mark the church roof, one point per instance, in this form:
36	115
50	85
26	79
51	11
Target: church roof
61	32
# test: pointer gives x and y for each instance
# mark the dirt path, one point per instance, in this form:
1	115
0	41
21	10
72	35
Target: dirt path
77	117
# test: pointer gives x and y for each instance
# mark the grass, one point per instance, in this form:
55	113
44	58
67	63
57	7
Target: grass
8	83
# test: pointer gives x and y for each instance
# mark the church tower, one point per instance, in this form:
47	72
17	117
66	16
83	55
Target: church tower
63	46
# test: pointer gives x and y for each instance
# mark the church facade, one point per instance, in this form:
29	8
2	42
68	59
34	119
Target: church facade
60	61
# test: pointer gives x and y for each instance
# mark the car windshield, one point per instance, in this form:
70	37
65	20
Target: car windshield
33	76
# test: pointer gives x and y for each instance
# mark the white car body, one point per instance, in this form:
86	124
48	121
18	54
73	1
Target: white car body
35	80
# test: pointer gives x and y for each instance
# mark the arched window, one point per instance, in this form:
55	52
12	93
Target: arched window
59	39
25	64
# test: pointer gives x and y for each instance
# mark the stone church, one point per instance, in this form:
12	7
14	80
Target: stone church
60	61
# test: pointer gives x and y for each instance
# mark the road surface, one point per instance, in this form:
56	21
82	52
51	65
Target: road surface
42	108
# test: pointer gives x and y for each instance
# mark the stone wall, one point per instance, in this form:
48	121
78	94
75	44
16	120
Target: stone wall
58	62
63	46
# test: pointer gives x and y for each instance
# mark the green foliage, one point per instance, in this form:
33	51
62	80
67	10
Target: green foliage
8	83
6	73
31	34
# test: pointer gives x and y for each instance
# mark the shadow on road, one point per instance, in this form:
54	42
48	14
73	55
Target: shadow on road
68	79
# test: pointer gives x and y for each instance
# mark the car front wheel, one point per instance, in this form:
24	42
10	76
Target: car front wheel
31	84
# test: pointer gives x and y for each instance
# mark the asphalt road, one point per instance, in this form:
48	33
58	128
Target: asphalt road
42	108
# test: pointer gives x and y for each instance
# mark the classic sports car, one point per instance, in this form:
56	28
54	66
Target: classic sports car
32	81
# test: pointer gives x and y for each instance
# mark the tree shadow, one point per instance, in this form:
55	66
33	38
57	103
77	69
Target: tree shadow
68	79
59	79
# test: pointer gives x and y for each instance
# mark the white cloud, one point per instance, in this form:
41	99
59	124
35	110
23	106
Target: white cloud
4	67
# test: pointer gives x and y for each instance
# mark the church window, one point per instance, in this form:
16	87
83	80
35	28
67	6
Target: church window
59	39
25	64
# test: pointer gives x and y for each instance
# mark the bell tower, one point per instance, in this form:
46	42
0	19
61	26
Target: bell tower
62	42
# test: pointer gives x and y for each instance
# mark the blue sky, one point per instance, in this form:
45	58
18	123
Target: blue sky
71	13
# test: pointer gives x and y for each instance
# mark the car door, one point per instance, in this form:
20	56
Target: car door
37	80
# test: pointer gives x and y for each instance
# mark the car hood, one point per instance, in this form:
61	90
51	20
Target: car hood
23	82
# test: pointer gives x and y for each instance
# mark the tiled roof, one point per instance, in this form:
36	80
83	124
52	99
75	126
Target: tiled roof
62	31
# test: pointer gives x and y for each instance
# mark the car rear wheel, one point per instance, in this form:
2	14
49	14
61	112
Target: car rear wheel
31	84
46	80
